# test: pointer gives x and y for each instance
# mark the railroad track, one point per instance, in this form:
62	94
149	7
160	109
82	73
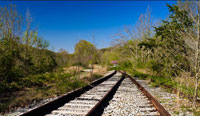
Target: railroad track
129	101
112	95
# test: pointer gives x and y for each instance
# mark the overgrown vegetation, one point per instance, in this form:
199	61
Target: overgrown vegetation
38	87
29	71
165	54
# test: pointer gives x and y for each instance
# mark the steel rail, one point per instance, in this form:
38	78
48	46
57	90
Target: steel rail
95	110
60	101
156	104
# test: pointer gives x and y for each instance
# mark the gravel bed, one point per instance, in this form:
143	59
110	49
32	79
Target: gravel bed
129	101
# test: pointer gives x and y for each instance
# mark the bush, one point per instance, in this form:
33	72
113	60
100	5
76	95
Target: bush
125	66
155	80
140	75
157	67
34	80
76	84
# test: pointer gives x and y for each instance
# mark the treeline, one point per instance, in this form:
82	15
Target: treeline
85	54
170	50
22	51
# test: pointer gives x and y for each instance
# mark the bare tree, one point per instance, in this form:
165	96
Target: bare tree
192	40
62	57
11	22
131	36
94	54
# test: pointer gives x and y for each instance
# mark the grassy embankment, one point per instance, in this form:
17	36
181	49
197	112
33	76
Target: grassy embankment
34	88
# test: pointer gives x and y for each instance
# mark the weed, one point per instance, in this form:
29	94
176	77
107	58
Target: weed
37	87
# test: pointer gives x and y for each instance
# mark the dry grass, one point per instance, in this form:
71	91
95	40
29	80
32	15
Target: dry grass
52	85
145	71
186	79
98	70
72	69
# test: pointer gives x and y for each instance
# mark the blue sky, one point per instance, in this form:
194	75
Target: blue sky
63	23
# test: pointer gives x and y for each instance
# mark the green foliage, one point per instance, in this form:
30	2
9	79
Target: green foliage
21	56
168	48
140	75
157	67
196	113
37	87
140	64
126	65
63	58
172	43
109	56
148	44
26	62
86	53
156	80
76	84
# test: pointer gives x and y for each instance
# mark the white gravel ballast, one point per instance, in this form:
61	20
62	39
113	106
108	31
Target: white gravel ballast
129	101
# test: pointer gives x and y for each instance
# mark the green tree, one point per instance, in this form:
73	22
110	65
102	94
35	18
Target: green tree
21	55
179	40
62	57
86	53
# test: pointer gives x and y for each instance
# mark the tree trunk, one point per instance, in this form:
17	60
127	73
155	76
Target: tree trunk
196	91
196	65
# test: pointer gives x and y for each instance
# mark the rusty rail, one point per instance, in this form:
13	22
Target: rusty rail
96	109
155	103
60	101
